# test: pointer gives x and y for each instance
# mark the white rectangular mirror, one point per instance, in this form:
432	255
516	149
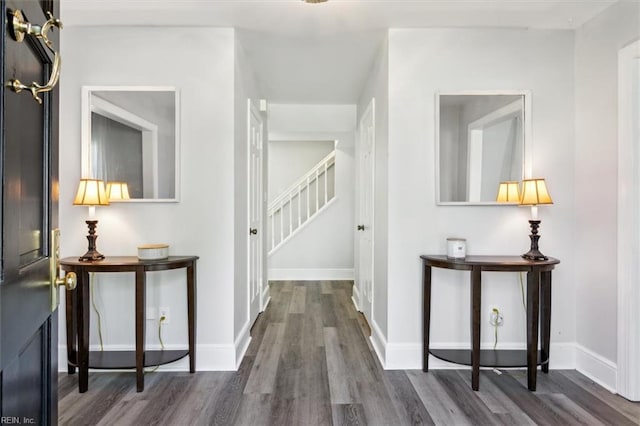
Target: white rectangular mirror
131	134
482	139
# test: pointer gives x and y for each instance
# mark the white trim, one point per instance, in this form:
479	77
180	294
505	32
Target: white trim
241	343
355	298
265	298
291	274
209	357
379	342
599	369
628	383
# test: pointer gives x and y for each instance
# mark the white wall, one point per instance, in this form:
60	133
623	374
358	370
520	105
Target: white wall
244	88
200	63
421	63
377	86
324	248
596	174
290	160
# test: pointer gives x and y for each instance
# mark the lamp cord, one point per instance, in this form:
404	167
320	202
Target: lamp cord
160	321
524	304
95	308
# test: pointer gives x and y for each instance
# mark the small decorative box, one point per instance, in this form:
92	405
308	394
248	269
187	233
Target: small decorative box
456	248
153	251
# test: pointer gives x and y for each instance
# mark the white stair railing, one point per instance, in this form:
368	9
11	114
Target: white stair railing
299	203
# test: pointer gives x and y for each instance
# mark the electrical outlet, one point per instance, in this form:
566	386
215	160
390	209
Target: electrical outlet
495	317
164	313
151	313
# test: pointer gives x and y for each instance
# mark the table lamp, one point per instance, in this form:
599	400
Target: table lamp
91	193
117	191
534	192
508	192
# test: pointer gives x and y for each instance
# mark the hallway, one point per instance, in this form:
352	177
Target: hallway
309	363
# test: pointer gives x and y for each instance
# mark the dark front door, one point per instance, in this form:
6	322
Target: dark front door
29	167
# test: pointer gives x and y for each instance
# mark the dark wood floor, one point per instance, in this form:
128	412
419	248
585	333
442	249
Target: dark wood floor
309	363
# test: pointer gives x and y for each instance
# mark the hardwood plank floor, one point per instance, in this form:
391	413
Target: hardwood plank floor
310	362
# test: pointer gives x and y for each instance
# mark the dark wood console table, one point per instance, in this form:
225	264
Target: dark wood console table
538	309
77	317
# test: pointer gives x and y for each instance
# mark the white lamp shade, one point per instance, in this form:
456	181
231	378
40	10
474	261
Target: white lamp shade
91	192
534	192
508	192
117	191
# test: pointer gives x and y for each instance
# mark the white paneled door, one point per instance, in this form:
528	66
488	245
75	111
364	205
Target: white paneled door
255	138
366	140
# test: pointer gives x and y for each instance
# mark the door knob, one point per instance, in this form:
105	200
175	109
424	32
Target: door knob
360	227
69	281
253	231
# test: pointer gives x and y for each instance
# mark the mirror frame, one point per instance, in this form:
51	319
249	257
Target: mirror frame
86	109
527	150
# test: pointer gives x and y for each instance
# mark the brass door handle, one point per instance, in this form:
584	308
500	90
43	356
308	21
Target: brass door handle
18	28
70	281
253	231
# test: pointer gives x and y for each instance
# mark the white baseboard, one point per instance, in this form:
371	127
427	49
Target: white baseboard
241	343
404	356
208	357
265	297
408	356
597	368
379	342
291	274
355	298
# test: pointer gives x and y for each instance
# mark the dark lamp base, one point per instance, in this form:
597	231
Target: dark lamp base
91	256
534	253
92	253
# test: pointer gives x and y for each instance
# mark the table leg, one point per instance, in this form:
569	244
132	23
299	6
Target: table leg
533	307
476	286
191	314
545	318
426	315
71	320
82	354
140	323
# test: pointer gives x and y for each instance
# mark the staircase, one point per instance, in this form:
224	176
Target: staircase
301	202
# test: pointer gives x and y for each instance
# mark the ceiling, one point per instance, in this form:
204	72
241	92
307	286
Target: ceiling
322	53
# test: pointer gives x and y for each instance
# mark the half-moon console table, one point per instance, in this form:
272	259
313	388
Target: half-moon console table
538	309
77	317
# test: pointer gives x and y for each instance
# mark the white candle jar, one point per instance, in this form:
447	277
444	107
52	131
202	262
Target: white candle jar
456	248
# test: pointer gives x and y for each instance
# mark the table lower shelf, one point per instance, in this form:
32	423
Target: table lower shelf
502	358
109	360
